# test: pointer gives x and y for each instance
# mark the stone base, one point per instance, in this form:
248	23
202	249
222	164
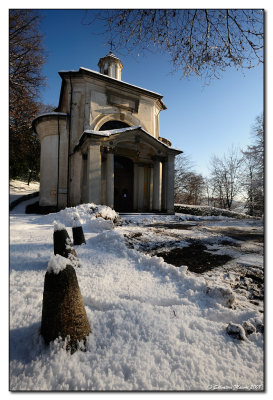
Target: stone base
35	208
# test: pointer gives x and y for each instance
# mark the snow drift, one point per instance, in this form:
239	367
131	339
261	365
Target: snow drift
154	326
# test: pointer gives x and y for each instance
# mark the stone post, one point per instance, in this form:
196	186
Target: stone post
78	235
63	245
63	312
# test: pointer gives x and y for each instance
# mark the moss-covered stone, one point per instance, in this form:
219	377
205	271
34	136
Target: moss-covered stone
63	313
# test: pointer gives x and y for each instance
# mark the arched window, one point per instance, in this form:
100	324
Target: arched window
113	125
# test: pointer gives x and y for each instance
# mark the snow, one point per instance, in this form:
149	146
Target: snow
53	113
121	130
154	326
58	226
112	131
56	264
119	81
237	330
76	221
19	188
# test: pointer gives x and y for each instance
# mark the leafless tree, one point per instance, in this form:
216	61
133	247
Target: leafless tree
200	42
254	170
225	178
189	185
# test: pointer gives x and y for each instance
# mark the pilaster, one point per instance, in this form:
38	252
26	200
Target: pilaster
170	184
94	173
157	185
110	177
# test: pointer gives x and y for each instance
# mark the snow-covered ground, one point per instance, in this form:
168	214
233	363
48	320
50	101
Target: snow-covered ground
19	188
154	326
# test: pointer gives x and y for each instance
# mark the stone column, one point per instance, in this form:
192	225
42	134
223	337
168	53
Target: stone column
140	187
151	188
94	173
135	187
170	184
110	178
157	186
164	185
75	174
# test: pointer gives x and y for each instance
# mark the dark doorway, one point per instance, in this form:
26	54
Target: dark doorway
124	184
113	125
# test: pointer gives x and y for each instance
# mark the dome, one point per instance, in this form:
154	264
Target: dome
110	65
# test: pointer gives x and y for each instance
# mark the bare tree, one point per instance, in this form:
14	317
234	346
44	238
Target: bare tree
194	189
225	177
209	191
200	42
254	170
189	185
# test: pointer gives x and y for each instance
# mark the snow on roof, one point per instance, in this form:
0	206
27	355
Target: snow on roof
52	113
112	131
90	132
113	79
117	80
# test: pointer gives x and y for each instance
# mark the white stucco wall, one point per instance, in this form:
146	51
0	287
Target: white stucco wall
49	127
48	170
91	107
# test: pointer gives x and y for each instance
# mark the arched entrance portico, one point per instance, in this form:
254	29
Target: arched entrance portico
128	170
123	184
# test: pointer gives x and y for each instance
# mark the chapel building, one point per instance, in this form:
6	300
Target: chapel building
102	145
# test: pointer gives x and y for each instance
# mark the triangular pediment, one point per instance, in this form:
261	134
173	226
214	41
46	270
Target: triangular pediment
131	135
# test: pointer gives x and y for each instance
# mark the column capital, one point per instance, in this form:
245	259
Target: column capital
143	164
108	149
170	156
159	158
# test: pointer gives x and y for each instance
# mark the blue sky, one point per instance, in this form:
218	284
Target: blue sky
200	120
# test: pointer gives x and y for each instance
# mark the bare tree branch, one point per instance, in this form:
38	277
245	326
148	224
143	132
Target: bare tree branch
200	42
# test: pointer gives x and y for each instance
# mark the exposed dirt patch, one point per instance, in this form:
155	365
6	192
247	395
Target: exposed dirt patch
239	234
229	243
247	281
255	237
180	226
195	257
200	256
133	235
